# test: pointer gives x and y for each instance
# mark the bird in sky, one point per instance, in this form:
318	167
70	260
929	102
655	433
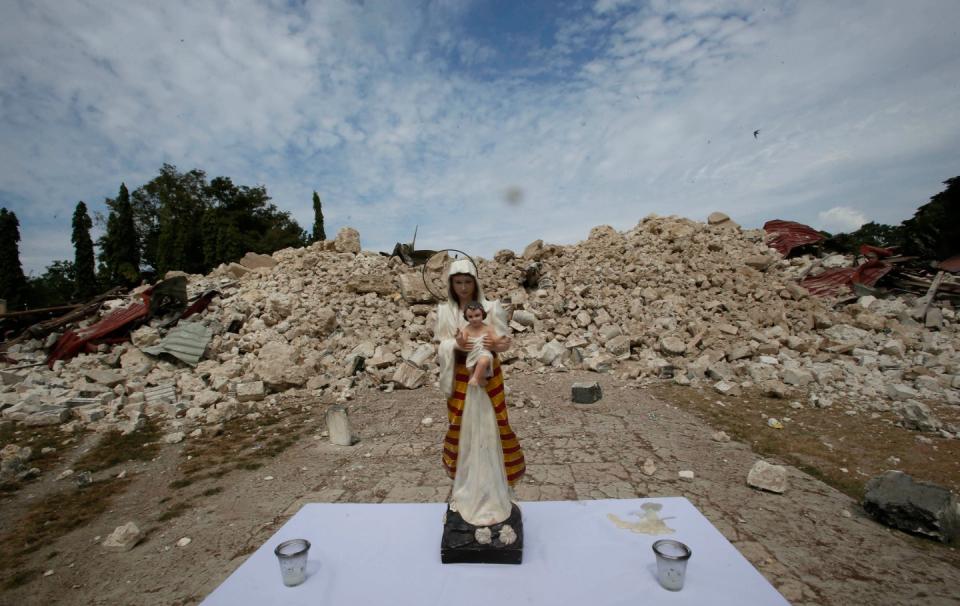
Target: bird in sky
755	133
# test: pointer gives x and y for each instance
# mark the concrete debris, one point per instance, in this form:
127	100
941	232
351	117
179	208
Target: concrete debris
338	426
253	260
772	478
586	393
347	241
123	538
253	391
895	499
705	305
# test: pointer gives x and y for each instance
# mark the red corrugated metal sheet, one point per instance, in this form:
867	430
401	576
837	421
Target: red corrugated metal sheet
73	341
784	236
836	280
952	264
875	251
200	304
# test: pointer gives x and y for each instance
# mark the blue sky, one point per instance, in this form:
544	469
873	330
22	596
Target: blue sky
430	112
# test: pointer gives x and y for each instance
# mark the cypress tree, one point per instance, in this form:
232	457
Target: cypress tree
120	246
318	232
128	243
13	284
83	261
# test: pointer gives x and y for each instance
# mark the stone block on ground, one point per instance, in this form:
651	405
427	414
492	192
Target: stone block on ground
727	388
252	260
717	217
408	375
347	241
338	426
524	318
672	346
895	499
586	393
251	391
413	290
123	538
772	478
917	415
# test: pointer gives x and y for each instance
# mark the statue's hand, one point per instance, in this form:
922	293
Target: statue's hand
462	343
501	344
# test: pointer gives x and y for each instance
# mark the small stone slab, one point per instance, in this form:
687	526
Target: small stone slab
464	543
772	478
338	426
123	538
586	393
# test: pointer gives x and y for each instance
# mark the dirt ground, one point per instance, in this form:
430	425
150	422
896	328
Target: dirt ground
230	492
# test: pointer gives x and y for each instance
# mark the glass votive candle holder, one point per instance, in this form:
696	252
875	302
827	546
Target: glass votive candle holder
293	561
672	559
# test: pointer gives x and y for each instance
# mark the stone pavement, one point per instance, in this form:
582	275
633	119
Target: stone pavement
813	542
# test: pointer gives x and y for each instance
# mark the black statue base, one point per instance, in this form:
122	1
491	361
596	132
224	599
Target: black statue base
460	546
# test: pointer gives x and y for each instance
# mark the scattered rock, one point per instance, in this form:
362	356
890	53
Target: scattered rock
586	393
254	391
672	346
338	424
253	260
685	475
726	388
347	241
772	478
408	375
123	538
895	499
649	467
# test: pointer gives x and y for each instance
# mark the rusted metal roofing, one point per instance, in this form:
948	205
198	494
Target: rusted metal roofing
186	342
952	264
836	280
784	236
74	341
875	251
202	302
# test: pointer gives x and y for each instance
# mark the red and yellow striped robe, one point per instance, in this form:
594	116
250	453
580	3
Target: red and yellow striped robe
512	453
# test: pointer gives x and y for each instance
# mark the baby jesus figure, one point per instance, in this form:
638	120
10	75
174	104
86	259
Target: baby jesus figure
479	359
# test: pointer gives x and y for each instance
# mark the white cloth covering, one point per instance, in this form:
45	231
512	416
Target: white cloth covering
478	353
573	555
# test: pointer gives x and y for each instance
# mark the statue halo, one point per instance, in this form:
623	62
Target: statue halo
423	270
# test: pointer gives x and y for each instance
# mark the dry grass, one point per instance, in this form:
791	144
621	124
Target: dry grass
115	448
825	442
37	438
49	519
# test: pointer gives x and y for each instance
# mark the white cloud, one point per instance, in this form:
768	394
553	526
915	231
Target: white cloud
634	109
841	219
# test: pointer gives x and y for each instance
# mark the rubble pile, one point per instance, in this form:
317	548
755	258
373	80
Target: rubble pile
703	304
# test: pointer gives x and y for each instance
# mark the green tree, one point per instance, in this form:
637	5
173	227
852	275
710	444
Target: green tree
168	213
185	222
934	230
57	285
13	284
120	245
318	231
875	234
84	270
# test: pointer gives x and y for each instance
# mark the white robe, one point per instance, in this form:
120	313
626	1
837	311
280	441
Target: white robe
481	493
